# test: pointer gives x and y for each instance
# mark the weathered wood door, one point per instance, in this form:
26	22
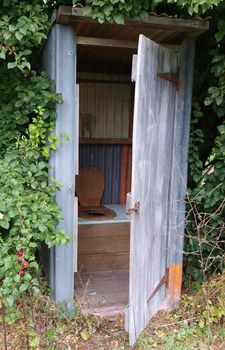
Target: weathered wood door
154	110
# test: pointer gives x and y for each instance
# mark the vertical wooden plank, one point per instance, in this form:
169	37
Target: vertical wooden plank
154	109
174	285
123	184
130	133
76	136
179	167
76	132
129	167
59	59
75	255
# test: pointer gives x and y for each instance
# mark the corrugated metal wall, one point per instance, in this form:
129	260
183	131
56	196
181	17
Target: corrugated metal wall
105	108
108	160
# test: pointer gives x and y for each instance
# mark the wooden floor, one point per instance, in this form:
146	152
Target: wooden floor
102	292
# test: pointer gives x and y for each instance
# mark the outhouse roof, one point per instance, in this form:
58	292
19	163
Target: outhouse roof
123	39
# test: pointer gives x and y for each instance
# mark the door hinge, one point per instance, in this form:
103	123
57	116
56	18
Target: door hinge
135	209
173	77
164	280
132	205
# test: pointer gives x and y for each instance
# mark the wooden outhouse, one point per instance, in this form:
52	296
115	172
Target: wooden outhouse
127	92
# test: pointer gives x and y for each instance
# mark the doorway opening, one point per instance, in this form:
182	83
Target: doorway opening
106	96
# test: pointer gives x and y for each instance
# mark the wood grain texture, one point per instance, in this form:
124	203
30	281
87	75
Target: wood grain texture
75	241
103	262
174	285
76	132
68	14
154	109
89	187
103	246
103	42
178	186
59	60
102	292
103	141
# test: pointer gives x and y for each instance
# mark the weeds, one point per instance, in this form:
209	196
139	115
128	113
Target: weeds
198	324
44	325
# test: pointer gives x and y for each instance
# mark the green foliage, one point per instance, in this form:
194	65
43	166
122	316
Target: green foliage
28	216
23	26
28	212
33	97
206	193
196	6
197	324
117	10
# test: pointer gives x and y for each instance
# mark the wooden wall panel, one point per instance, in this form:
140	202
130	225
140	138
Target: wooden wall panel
103	246
103	262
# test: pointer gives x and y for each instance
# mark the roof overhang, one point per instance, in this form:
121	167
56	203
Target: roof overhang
123	39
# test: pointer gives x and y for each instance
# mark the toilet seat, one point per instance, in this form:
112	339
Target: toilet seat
89	188
96	213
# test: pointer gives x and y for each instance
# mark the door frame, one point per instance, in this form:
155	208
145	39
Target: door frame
62	274
59	60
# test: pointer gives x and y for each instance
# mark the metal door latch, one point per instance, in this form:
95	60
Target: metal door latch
135	209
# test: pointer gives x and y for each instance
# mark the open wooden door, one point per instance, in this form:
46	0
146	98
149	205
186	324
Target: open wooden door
154	110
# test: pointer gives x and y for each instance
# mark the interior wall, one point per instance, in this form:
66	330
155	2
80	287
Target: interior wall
108	160
105	113
105	102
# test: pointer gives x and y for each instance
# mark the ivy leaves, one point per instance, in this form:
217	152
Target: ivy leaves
29	216
23	26
26	198
196	6
32	96
117	10
28	212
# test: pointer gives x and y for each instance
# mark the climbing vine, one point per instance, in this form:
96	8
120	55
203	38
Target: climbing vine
207	159
28	212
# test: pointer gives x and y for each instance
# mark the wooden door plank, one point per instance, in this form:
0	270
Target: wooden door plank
152	153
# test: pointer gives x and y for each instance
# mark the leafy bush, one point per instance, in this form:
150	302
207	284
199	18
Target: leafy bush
28	212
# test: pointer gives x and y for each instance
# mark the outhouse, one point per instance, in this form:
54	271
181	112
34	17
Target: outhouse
127	92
